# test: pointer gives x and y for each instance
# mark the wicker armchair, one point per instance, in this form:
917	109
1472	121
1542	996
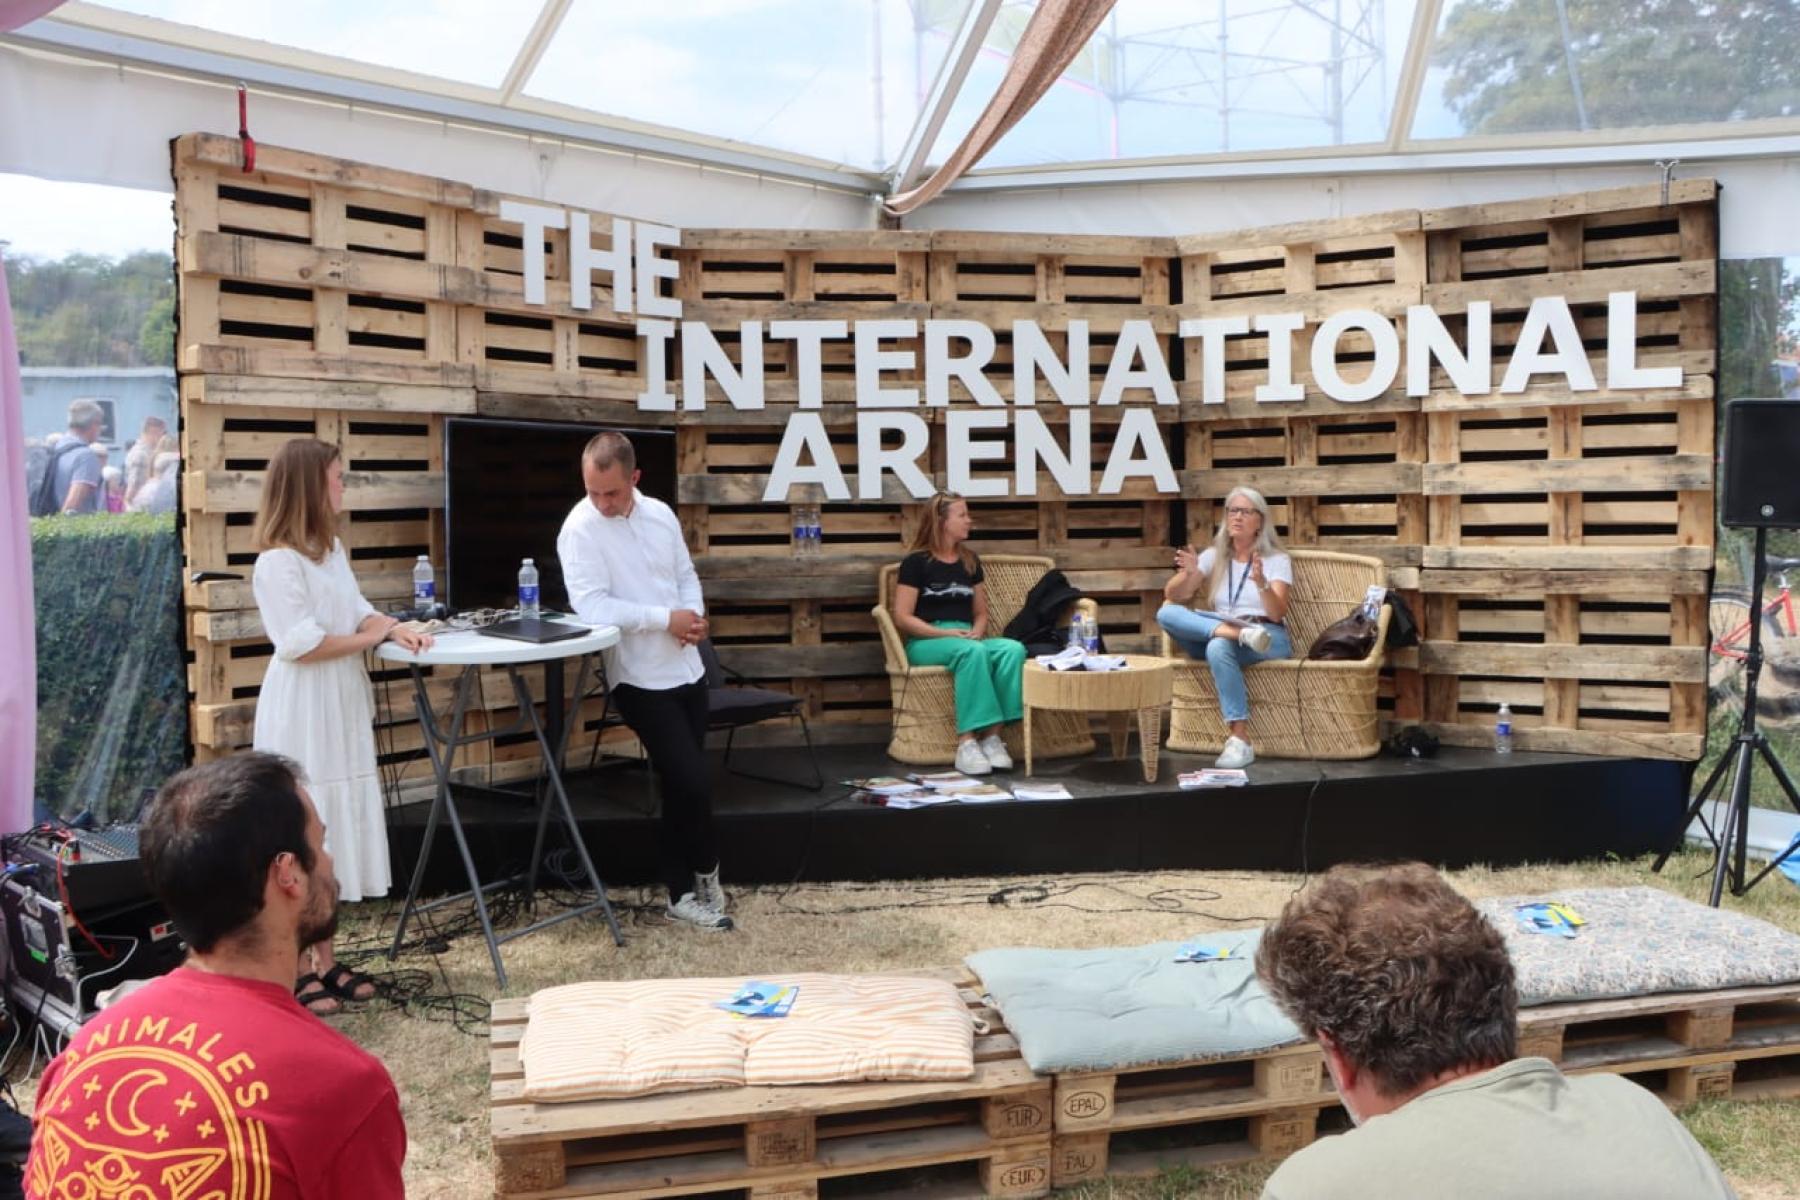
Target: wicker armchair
1298	709
923	699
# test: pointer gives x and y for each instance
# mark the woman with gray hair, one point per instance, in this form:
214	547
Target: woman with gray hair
1244	577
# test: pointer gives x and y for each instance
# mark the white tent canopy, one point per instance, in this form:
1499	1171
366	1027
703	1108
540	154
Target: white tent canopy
1179	116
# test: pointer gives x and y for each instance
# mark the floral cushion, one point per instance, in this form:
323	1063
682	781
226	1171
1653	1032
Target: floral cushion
1638	941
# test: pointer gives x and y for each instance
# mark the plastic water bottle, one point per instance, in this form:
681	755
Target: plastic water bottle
424	583
528	589
815	532
1371	606
1090	635
802	530
1503	730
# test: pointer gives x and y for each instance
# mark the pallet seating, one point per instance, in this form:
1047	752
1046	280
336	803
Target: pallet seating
984	1136
1010	1132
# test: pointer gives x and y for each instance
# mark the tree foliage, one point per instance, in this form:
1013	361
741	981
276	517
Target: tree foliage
87	310
1639	62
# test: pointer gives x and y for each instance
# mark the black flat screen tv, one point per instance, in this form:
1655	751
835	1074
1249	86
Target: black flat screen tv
509	485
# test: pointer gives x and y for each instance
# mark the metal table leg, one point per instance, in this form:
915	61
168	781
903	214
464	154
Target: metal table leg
442	748
444	803
553	769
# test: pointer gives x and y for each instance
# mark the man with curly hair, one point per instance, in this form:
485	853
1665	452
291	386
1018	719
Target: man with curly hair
1409	991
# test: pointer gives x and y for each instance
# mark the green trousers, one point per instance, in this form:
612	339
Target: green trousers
986	674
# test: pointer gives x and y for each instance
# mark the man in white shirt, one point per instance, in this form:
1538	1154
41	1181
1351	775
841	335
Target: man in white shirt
626	564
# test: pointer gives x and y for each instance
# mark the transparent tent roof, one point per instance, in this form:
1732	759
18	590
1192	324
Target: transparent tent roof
869	93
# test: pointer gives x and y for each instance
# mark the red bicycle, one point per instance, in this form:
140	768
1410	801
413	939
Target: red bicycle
1728	615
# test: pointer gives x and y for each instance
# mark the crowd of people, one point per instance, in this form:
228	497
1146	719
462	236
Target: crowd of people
80	479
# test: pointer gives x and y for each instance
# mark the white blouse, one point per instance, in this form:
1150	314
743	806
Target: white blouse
303	601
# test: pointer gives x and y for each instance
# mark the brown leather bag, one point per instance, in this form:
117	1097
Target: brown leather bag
1348	639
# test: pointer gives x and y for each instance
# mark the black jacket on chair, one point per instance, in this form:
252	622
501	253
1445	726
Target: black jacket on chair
1036	623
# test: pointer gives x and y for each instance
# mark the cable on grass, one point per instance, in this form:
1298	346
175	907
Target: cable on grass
1052	892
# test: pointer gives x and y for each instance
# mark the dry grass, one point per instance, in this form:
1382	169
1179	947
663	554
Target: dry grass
442	1073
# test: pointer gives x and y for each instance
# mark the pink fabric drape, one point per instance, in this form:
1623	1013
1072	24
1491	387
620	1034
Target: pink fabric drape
18	625
1057	31
14	13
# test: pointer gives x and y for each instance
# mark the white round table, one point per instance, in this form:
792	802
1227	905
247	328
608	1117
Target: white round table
470	651
470	647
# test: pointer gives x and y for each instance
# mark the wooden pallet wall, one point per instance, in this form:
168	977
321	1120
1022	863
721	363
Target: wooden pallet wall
1553	545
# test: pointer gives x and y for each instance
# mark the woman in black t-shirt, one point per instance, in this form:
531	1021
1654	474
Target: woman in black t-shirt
940	607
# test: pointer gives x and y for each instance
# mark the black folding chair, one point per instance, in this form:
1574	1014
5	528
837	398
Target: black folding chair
735	704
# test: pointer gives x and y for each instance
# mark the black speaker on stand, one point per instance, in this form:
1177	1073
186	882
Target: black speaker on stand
1762	492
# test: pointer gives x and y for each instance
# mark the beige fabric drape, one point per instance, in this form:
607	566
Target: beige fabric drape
1057	31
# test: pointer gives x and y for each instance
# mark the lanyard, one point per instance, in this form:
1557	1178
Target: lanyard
1231	600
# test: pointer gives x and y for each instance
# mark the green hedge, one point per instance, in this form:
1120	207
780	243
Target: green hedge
112	687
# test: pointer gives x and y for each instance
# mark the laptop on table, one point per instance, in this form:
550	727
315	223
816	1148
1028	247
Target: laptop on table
534	629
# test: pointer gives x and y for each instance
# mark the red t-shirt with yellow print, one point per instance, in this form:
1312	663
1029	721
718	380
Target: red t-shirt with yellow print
203	1085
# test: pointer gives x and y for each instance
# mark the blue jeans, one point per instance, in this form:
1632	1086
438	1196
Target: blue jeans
1193	632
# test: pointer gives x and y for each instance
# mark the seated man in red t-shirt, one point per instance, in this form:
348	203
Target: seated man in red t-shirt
213	1080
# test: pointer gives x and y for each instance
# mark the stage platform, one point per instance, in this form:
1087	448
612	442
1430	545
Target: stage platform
1462	807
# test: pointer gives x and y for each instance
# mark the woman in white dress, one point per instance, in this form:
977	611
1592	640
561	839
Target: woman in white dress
316	705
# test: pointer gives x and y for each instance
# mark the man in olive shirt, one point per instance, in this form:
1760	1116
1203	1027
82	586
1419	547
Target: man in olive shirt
1410	993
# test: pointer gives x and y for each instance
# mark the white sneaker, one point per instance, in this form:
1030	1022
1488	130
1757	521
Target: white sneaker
689	911
709	892
971	761
994	750
1255	637
1238	753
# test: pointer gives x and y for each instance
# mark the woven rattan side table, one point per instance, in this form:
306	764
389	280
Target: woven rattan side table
1143	687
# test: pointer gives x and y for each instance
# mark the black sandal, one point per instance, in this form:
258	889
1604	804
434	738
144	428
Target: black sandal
316	996
342	982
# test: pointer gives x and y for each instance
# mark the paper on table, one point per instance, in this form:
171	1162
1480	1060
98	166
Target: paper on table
1066	659
1041	791
1076	658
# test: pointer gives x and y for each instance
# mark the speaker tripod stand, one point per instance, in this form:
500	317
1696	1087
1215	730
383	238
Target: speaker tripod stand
1732	837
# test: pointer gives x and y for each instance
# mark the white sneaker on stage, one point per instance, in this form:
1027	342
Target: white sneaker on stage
994	750
1255	637
709	892
971	761
1238	753
689	911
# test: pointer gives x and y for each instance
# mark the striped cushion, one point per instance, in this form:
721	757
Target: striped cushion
587	1041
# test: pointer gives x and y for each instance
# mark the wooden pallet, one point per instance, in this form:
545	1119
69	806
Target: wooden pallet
363	306
987	1135
1741	1043
1610	661
1139	1120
